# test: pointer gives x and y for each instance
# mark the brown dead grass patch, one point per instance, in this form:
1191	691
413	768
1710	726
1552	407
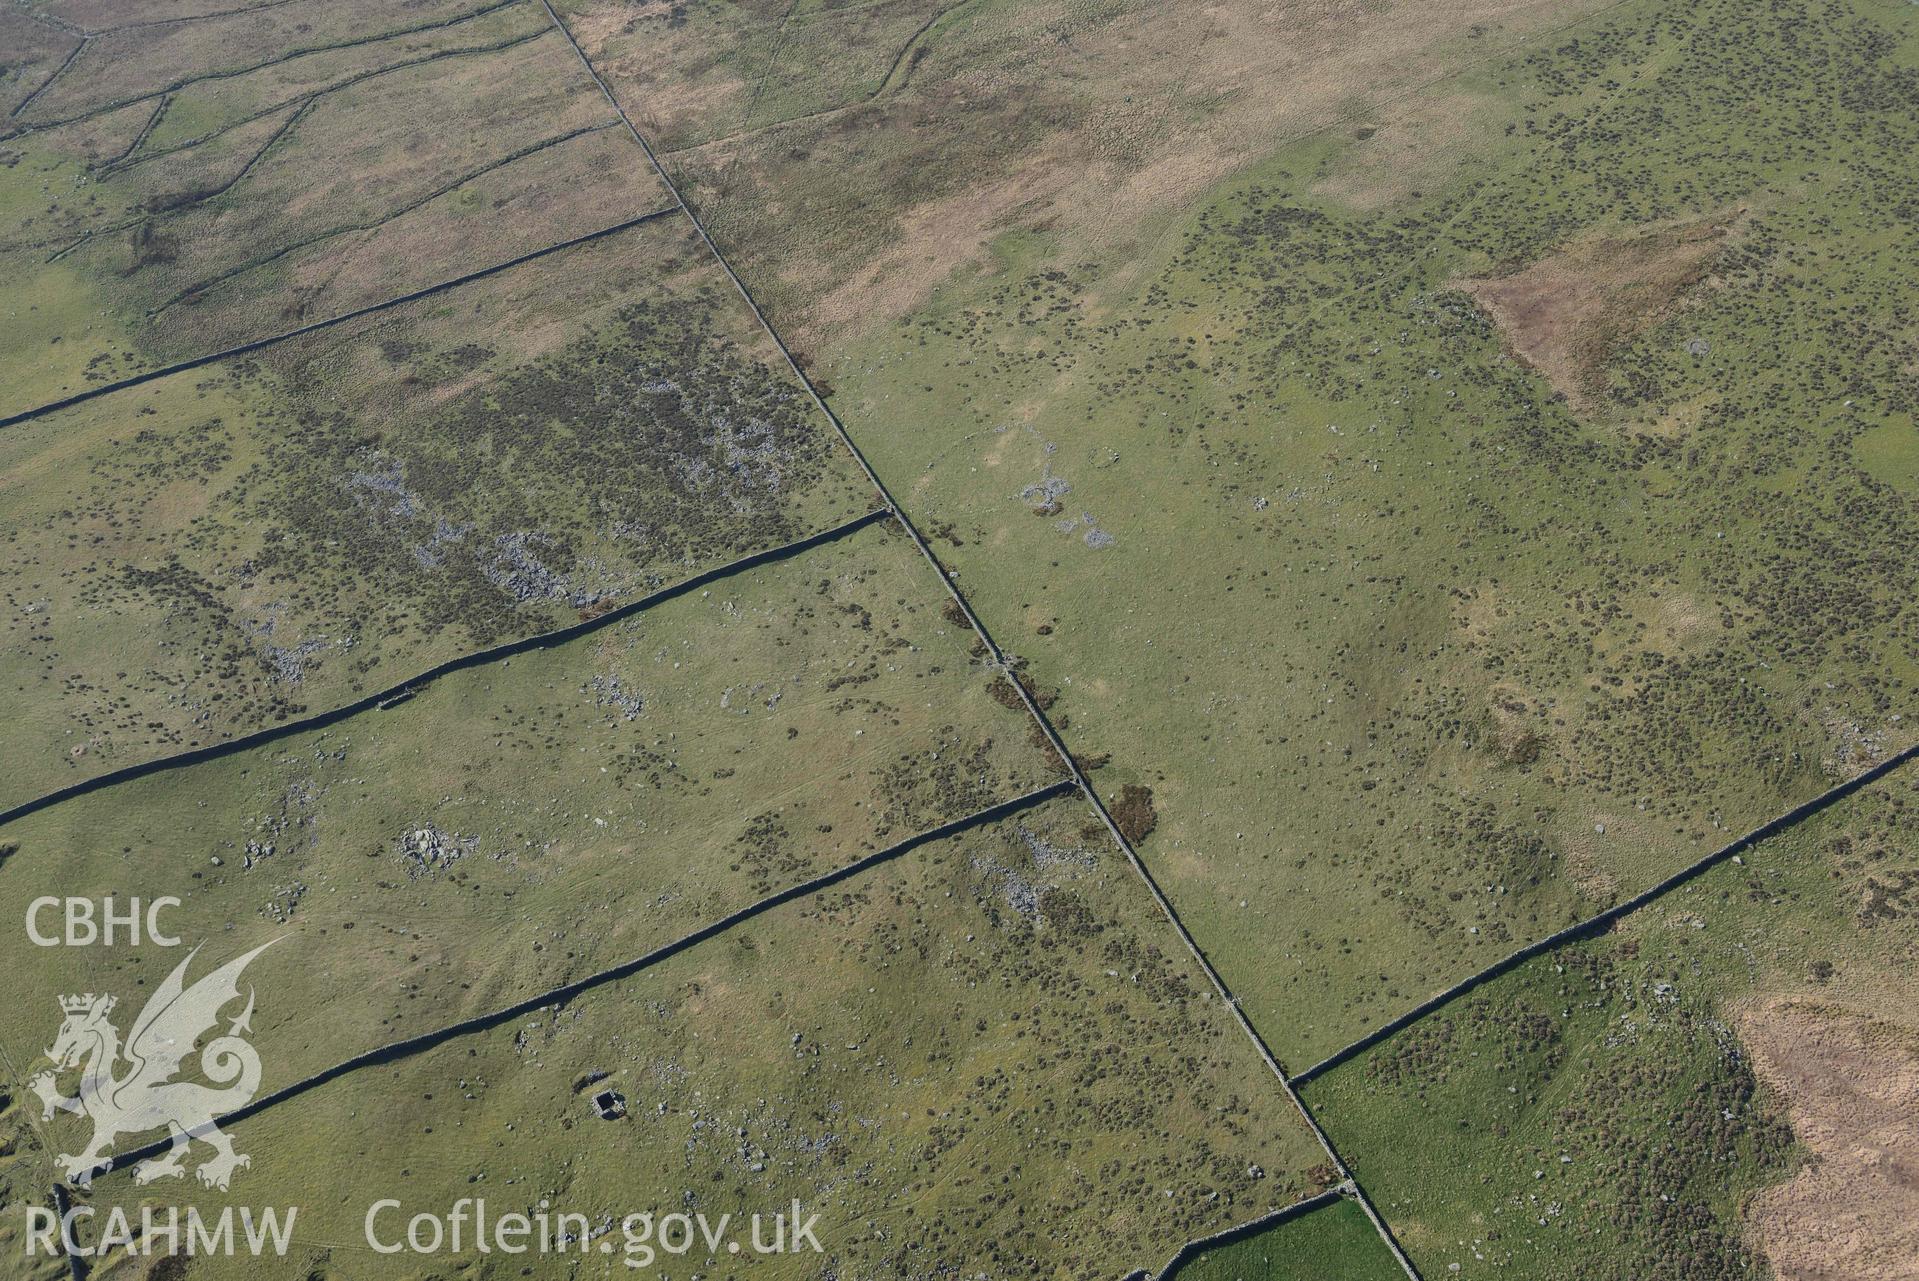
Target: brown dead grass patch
1852	1085
1088	126
935	240
1566	314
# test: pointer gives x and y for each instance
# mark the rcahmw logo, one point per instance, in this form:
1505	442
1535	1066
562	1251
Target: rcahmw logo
157	1232
127	1088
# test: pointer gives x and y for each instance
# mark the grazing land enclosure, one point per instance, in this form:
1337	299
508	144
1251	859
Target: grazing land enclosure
1258	641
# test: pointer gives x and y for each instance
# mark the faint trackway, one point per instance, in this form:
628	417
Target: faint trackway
230	73
772	61
998	659
52	21
1601	922
894	80
209	16
759	89
412	685
409	1046
198	362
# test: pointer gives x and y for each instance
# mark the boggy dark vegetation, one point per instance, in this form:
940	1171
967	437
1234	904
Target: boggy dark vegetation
341	540
571	479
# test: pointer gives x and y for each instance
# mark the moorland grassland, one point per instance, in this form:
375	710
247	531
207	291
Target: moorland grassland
1421	655
238	545
691	760
1440	469
1721	1085
991	1049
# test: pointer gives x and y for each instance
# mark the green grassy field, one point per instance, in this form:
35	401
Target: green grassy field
228	547
992	1049
1337	1243
515	827
1419	658
1615	1108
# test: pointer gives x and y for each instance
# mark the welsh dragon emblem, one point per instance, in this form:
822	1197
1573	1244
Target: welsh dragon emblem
129	1089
